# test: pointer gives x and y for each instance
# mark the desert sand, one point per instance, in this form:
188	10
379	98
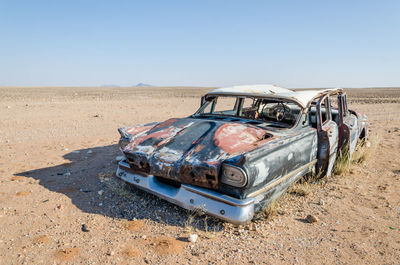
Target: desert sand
60	202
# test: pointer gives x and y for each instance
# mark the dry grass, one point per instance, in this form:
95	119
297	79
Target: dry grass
306	185
301	189
362	153
117	186
194	218
342	163
365	149
270	211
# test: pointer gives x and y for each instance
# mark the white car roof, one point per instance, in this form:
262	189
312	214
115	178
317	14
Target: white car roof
303	98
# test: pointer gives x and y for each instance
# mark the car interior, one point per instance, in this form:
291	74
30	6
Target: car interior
312	112
272	112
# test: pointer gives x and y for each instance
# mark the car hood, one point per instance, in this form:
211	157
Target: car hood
188	149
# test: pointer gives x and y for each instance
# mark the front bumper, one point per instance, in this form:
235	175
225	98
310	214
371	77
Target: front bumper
191	197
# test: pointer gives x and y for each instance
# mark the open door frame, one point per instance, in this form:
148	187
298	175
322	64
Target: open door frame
328	137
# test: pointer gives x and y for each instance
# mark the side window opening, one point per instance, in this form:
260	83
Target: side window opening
225	105
334	101
345	109
249	108
312	113
325	110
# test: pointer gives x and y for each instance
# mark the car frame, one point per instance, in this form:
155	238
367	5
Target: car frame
232	163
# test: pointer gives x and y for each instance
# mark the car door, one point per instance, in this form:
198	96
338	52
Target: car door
350	125
328	137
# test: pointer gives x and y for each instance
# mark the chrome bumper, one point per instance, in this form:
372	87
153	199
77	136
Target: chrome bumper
191	197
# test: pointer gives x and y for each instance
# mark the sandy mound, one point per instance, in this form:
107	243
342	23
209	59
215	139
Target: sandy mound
134	225
130	252
67	254
168	246
42	239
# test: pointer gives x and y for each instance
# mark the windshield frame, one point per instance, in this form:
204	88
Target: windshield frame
212	99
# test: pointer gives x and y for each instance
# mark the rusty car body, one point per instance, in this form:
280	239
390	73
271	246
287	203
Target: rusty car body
242	149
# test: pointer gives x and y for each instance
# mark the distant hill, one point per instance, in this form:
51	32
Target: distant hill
142	85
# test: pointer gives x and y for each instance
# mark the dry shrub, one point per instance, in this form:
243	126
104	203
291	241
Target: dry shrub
301	189
117	186
365	149
193	219
342	163
270	211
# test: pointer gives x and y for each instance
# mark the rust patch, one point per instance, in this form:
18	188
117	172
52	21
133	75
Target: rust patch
165	134
198	148
138	129
166	123
235	138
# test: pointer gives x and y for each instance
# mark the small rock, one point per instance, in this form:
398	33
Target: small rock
67	174
8	107
59	206
193	238
76	152
96	116
110	253
144	236
100	204
90	151
100	192
311	219
84	228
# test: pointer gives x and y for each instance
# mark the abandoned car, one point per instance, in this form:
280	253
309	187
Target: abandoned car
242	149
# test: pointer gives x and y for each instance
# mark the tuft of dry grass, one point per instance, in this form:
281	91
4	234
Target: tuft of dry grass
362	153
117	186
301	189
343	162
270	211
193	219
365	149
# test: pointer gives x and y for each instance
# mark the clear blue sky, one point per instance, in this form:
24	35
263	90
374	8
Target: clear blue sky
203	43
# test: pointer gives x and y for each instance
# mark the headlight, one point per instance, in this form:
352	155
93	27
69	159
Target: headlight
123	142
234	176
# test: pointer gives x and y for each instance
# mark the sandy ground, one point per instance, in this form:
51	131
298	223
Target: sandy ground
60	201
